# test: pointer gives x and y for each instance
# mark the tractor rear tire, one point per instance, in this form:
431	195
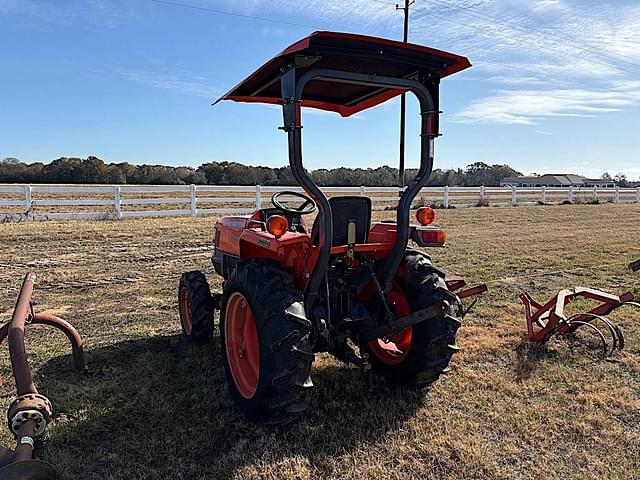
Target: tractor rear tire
195	307
264	334
432	342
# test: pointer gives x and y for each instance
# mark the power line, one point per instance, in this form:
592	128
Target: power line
234	14
504	35
385	1
505	22
471	13
530	31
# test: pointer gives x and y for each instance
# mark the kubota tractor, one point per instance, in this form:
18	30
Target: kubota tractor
341	285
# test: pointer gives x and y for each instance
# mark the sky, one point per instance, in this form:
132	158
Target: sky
554	87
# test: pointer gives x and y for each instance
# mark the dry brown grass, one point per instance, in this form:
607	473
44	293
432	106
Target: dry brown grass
155	408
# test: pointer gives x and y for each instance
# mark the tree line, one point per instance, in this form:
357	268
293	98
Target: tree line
93	170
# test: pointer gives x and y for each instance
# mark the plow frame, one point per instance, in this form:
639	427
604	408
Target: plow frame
548	319
31	412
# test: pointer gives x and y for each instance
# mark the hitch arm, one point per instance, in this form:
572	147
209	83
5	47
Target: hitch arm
402	323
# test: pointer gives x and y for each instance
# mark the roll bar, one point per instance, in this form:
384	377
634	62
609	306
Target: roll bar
292	89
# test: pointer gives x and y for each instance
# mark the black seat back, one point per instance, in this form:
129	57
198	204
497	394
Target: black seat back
347	209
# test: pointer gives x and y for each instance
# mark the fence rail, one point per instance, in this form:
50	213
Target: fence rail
56	202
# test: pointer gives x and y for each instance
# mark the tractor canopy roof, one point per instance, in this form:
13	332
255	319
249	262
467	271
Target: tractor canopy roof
346	52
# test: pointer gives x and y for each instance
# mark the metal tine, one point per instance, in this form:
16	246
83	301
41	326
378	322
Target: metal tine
620	335
614	330
605	348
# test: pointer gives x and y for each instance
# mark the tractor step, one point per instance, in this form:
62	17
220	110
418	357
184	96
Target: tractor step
548	319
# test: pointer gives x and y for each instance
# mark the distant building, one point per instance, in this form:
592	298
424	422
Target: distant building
556	180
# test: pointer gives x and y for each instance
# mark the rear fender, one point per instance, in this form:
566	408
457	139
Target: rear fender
291	251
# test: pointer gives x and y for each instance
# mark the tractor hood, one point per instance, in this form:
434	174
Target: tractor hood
351	53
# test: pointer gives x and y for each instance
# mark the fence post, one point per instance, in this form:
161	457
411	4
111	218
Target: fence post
616	196
481	193
117	201
28	204
258	197
194	201
514	200
595	193
446	196
638	195
570	194
543	194
363	191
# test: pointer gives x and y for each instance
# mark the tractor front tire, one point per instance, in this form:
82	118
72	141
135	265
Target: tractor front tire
264	334
429	344
195	307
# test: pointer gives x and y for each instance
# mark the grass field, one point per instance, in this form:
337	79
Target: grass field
154	408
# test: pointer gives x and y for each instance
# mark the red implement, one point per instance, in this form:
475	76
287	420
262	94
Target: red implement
546	320
31	412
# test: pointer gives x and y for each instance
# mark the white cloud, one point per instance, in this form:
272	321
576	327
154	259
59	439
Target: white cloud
103	13
555	57
581	62
185	84
546	5
548	58
527	107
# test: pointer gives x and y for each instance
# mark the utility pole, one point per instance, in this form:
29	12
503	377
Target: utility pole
403	100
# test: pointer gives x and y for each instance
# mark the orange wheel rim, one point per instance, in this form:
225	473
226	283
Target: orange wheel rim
395	348
185	311
242	346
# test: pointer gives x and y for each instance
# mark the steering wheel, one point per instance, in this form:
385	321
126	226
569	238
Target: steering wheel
301	210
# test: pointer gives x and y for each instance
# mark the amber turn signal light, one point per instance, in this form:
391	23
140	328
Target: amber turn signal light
277	225
425	215
433	237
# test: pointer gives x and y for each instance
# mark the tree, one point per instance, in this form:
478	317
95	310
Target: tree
213	172
621	180
64	170
480	173
11	169
285	176
94	170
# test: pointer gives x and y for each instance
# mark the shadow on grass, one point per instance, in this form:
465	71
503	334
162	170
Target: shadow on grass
159	408
530	356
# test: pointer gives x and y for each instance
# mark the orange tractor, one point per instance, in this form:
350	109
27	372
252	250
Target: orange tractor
342	285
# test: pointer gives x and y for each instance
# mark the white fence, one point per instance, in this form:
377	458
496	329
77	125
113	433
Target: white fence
54	202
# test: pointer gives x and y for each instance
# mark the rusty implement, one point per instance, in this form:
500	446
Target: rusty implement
30	413
548	319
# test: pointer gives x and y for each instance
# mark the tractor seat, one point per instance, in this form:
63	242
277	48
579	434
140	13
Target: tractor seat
345	210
